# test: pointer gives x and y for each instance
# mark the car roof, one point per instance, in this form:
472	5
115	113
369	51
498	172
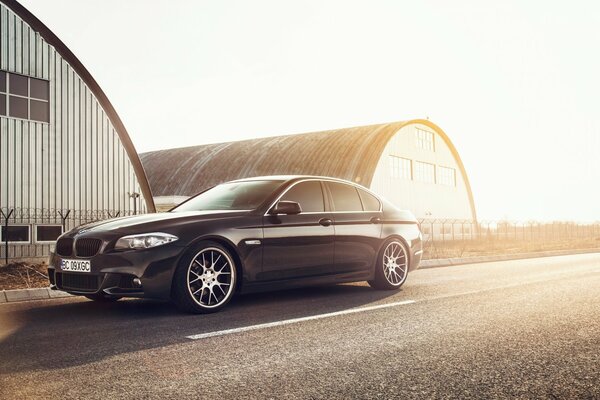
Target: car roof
289	178
293	178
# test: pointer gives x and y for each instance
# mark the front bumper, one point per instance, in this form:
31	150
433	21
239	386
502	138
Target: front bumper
114	273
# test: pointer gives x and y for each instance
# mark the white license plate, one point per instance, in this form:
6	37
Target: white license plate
76	265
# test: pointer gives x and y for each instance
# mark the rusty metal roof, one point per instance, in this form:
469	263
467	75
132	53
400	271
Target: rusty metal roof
350	153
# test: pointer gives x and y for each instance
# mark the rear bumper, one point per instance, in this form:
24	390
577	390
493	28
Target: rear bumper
114	273
416	260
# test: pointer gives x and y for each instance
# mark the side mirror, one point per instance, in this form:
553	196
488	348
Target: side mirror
286	207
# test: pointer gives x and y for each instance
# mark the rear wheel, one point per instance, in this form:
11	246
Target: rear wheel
392	266
205	280
102	297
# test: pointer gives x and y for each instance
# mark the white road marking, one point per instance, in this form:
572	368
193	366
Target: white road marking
297	320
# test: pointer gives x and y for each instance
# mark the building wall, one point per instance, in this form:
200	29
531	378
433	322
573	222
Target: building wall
76	161
425	199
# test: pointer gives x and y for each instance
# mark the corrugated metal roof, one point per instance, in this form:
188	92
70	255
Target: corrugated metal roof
351	154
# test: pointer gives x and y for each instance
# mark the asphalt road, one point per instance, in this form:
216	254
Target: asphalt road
524	329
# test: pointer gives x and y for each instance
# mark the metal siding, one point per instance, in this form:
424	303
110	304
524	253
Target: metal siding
3	38
76	162
18	46
25	50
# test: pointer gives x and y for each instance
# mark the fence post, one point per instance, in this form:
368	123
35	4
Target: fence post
452	227
6	217
64	218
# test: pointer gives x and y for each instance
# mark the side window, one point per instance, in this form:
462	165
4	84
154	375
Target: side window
370	202
345	197
308	194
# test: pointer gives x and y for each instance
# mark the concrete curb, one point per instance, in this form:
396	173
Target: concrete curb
448	262
10	296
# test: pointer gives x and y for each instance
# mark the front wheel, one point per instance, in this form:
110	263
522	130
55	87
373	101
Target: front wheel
391	269
205	280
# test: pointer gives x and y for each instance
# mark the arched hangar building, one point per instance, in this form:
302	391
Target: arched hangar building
412	163
65	156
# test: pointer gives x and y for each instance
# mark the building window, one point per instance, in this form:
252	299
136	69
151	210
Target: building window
24	97
15	233
446	176
47	233
424	172
400	167
425	140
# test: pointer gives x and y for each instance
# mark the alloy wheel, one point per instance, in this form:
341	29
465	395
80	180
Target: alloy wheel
395	263
211	277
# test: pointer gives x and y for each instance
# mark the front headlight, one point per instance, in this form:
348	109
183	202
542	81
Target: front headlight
144	240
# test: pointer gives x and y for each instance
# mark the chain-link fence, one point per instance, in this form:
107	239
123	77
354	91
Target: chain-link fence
457	238
30	232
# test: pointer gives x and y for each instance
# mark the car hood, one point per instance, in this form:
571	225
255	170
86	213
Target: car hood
156	220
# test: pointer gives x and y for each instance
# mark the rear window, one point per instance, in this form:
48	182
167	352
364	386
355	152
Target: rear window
370	202
345	197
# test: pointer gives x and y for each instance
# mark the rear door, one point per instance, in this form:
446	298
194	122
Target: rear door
357	219
296	246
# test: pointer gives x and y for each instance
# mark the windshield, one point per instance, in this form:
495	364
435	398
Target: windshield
246	195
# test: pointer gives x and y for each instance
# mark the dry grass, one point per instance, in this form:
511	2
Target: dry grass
474	248
21	275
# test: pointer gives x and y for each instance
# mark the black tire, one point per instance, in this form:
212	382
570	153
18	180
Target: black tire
195	282
102	297
391	275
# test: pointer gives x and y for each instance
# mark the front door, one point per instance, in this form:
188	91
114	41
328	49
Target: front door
301	245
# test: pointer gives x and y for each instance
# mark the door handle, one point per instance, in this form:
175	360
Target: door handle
325	221
375	220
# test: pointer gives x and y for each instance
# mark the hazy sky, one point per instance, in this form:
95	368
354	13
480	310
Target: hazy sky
515	84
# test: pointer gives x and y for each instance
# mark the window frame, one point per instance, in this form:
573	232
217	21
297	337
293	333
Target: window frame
394	158
433	167
439	175
332	203
28	98
360	196
46	241
420	139
16	242
327	196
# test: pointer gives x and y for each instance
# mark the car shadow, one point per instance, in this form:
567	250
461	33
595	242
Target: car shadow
64	333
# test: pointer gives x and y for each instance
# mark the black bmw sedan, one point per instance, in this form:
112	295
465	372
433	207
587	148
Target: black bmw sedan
243	236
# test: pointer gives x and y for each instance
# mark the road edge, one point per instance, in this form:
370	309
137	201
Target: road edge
448	262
